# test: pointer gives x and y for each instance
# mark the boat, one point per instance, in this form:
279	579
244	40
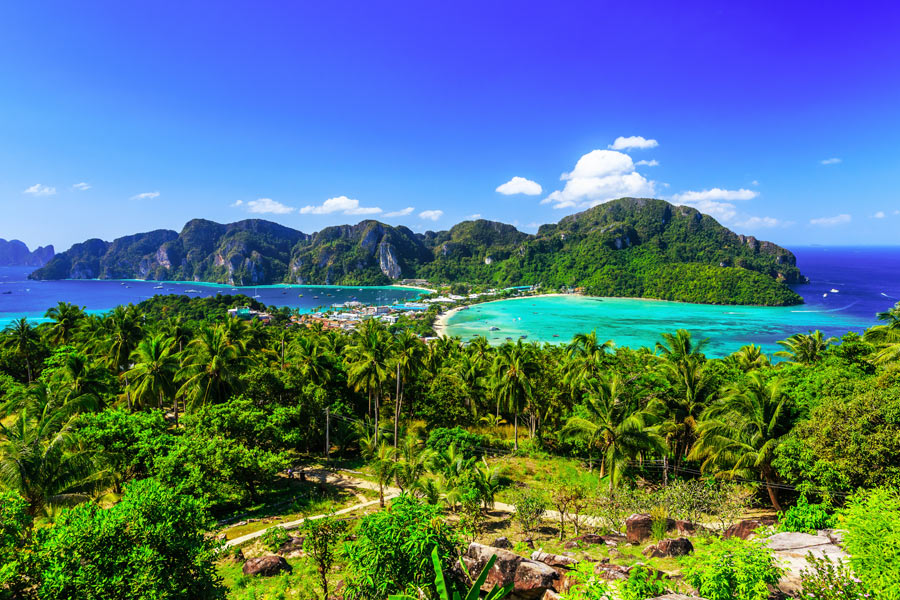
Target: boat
833	291
4	293
495	329
555	335
825	295
508	338
191	291
299	295
522	337
157	287
315	297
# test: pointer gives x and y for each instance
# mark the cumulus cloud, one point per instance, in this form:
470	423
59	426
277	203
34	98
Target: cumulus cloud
520	185
81	187
145	196
473	217
400	213
830	161
267	206
879	214
599	176
715	194
831	221
633	141
431	215
341	204
760	222
39	190
237	203
647	163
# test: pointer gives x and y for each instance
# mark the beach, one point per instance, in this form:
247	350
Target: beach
442	320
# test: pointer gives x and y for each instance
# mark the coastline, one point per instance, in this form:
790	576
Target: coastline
442	321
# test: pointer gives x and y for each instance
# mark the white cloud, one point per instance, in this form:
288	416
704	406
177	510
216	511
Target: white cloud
879	214
145	196
40	190
599	176
760	222
473	217
831	221
400	213
431	215
715	194
520	185
647	163
754	182
633	141
81	187
341	204
266	206
830	161
236	203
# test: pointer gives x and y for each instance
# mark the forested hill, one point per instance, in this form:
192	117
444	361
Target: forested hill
14	253
627	247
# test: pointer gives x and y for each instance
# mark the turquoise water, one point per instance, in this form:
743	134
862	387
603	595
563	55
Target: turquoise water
636	323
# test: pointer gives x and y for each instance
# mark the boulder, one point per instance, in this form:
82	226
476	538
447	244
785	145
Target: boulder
611	572
675	546
558	561
684	527
742	529
502	542
591	538
294	546
266	566
639	527
530	578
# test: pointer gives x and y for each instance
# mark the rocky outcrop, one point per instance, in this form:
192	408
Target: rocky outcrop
742	529
530	578
669	547
639	527
266	566
792	549
387	261
14	253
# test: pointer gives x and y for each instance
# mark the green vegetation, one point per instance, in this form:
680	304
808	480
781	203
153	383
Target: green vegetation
631	247
128	444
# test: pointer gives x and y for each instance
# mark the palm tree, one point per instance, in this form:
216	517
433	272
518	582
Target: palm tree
616	426
22	338
64	318
211	368
805	349
750	358
514	368
154	371
383	465
739	433
586	344
368	363
308	352
125	330
886	337
40	459
680	346
412	465
693	388
407	353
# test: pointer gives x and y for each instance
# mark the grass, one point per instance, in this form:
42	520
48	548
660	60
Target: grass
300	584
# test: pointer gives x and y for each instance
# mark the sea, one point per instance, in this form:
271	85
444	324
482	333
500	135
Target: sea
848	287
21	297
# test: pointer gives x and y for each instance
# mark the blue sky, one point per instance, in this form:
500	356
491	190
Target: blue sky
781	121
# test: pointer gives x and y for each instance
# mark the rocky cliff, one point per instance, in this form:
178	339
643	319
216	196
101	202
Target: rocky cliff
14	253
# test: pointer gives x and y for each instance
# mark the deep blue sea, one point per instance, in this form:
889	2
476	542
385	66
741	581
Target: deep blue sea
21	297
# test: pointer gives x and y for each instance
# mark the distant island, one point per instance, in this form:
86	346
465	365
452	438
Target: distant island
631	247
14	253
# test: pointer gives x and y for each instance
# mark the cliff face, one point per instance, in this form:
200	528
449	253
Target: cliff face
14	253
619	248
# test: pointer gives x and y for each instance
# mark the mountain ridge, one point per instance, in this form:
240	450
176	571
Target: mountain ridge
627	247
15	253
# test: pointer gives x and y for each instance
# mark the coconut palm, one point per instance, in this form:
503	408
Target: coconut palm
805	349
367	360
738	434
211	368
586	344
886	337
383	466
616	426
408	353
750	358
680	346
64	319
309	354
692	390
23	339
152	378
514	369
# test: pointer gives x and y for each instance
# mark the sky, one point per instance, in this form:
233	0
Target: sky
779	119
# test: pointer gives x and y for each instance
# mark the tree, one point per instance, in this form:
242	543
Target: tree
23	339
368	363
211	369
886	336
612	421
514	367
152	544
15	530
680	346
407	353
739	433
153	372
692	390
321	537
64	319
750	357
383	465
805	349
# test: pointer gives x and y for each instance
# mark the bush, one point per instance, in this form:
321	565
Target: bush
530	506
806	517
826	580
733	569
275	537
872	521
393	548
643	583
588	586
468	443
15	524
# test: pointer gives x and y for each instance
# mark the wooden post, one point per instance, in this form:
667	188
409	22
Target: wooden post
327	432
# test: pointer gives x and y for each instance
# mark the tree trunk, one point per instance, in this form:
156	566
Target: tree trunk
324	574
28	368
516	426
397	408
127	394
773	495
381	493
175	409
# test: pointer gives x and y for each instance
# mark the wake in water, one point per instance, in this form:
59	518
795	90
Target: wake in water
830	310
886	296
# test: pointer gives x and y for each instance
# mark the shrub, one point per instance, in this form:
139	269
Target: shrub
530	506
660	516
588	586
872	521
468	443
15	524
806	517
320	544
643	583
827	580
733	569
275	537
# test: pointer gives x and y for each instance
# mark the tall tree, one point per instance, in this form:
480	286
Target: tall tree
64	319
152	378
211	368
805	349
408	352
23	339
368	363
515	367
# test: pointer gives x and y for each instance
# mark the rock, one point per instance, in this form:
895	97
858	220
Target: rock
551	595
675	546
791	550
742	529
611	572
292	546
266	566
530	578
592	538
502	542
554	560
639	527
684	527
676	597
572	544
529	542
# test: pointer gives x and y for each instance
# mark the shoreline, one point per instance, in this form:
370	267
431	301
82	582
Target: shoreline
442	321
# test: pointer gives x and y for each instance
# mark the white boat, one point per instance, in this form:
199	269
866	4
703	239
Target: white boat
825	295
833	291
191	291
157	287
